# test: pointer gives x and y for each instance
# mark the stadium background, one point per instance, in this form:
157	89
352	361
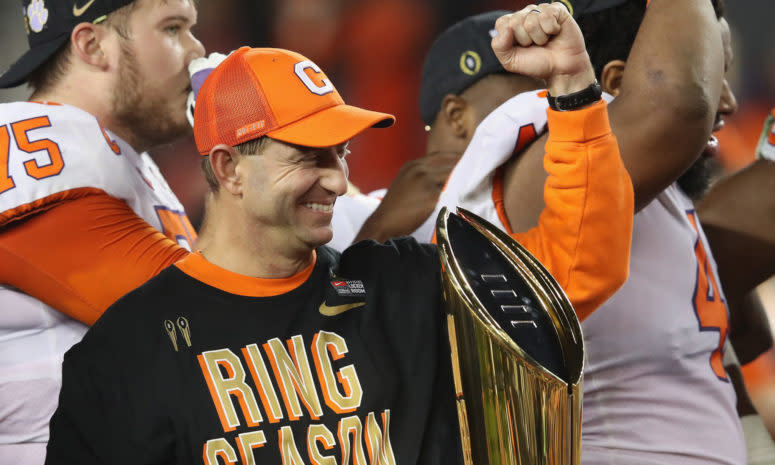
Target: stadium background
373	52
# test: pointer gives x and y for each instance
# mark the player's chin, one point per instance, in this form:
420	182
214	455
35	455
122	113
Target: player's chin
179	125
319	236
697	179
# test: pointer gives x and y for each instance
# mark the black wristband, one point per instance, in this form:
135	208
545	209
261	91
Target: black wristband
576	100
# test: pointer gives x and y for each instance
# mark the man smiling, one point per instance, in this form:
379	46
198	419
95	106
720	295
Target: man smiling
268	347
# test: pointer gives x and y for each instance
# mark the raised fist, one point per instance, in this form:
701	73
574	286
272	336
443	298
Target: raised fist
544	42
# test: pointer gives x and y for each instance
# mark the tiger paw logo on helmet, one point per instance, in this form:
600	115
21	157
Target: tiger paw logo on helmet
37	15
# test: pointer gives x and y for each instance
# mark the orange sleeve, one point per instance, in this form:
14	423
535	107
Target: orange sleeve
81	255
584	234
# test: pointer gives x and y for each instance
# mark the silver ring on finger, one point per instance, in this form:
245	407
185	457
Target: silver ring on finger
534	11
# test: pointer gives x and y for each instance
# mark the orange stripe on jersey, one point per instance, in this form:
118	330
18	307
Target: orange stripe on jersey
197	266
116	250
6	181
37	206
111	143
710	308
759	375
497	199
526	135
176	226
43	102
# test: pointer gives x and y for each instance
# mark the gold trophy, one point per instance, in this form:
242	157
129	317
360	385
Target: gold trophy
517	351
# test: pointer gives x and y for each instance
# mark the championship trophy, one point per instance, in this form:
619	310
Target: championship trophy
517	350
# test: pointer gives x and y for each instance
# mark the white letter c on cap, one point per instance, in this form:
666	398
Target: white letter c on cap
299	68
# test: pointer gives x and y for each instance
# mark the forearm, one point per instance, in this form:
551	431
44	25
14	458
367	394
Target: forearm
584	233
750	331
376	227
738	216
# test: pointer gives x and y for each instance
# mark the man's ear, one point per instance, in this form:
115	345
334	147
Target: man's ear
611	77
224	160
455	112
86	42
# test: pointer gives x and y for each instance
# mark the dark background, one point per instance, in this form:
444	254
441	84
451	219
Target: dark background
373	51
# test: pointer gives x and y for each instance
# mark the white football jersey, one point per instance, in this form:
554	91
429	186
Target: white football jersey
655	391
350	212
494	136
516	122
47	151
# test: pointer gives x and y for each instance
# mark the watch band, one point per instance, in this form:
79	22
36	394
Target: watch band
576	100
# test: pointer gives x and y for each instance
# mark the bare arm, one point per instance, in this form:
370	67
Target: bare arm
750	331
411	198
670	90
738	216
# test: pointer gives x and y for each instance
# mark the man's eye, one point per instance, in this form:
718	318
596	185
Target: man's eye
172	30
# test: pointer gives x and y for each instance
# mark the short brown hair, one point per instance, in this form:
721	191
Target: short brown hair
251	147
119	19
51	71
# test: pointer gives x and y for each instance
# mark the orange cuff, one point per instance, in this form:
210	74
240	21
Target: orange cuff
578	125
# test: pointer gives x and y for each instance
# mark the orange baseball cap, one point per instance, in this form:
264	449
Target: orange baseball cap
272	92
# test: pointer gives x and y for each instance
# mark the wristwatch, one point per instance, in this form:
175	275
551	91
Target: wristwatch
576	100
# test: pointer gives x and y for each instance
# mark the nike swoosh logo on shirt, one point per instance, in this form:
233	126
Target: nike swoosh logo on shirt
78	11
337	309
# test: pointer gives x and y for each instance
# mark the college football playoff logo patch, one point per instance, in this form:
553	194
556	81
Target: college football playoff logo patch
470	62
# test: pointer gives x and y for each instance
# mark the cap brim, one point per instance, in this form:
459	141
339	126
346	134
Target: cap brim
18	73
331	126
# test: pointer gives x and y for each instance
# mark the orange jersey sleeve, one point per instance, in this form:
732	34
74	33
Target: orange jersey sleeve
584	233
81	255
